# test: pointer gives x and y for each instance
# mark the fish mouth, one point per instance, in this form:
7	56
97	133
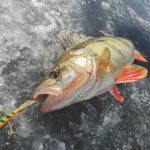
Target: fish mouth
47	100
41	98
40	94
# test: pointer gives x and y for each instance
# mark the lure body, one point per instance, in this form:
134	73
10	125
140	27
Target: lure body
7	117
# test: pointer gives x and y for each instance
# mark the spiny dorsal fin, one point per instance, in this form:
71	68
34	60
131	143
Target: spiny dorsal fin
70	39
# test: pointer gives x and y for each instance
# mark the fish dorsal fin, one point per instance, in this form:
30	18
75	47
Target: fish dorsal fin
69	40
103	33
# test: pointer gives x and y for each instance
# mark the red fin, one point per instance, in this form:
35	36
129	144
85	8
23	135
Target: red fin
138	56
115	92
131	74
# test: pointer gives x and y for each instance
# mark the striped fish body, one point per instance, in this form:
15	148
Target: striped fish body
89	67
121	50
121	55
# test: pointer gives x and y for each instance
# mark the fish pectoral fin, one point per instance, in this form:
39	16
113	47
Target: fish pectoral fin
138	56
132	73
115	92
69	40
104	59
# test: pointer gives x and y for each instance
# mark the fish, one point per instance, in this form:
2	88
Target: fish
88	67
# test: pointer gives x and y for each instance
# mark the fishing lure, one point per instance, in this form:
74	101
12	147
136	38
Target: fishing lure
7	117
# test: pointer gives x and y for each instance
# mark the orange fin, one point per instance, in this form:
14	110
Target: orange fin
115	92
138	56
132	73
104	60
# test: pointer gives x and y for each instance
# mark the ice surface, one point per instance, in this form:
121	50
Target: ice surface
28	50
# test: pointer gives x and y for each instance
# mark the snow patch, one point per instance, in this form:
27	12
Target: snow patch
105	5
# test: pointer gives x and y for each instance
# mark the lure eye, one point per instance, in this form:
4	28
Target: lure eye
54	74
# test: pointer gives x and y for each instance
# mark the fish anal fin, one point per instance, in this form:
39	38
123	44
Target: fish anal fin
138	56
132	73
115	92
69	40
104	59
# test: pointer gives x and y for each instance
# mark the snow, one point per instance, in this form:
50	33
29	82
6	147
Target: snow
105	5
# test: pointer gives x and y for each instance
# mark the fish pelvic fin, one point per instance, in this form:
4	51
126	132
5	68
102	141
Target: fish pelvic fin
115	93
138	56
132	73
5	119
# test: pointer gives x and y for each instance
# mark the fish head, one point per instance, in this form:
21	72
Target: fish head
62	84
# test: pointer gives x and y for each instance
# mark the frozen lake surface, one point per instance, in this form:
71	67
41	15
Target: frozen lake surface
27	50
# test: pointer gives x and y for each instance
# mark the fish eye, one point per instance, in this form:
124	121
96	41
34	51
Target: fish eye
54	74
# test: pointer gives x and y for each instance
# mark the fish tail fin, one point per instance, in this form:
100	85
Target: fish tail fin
5	119
138	56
